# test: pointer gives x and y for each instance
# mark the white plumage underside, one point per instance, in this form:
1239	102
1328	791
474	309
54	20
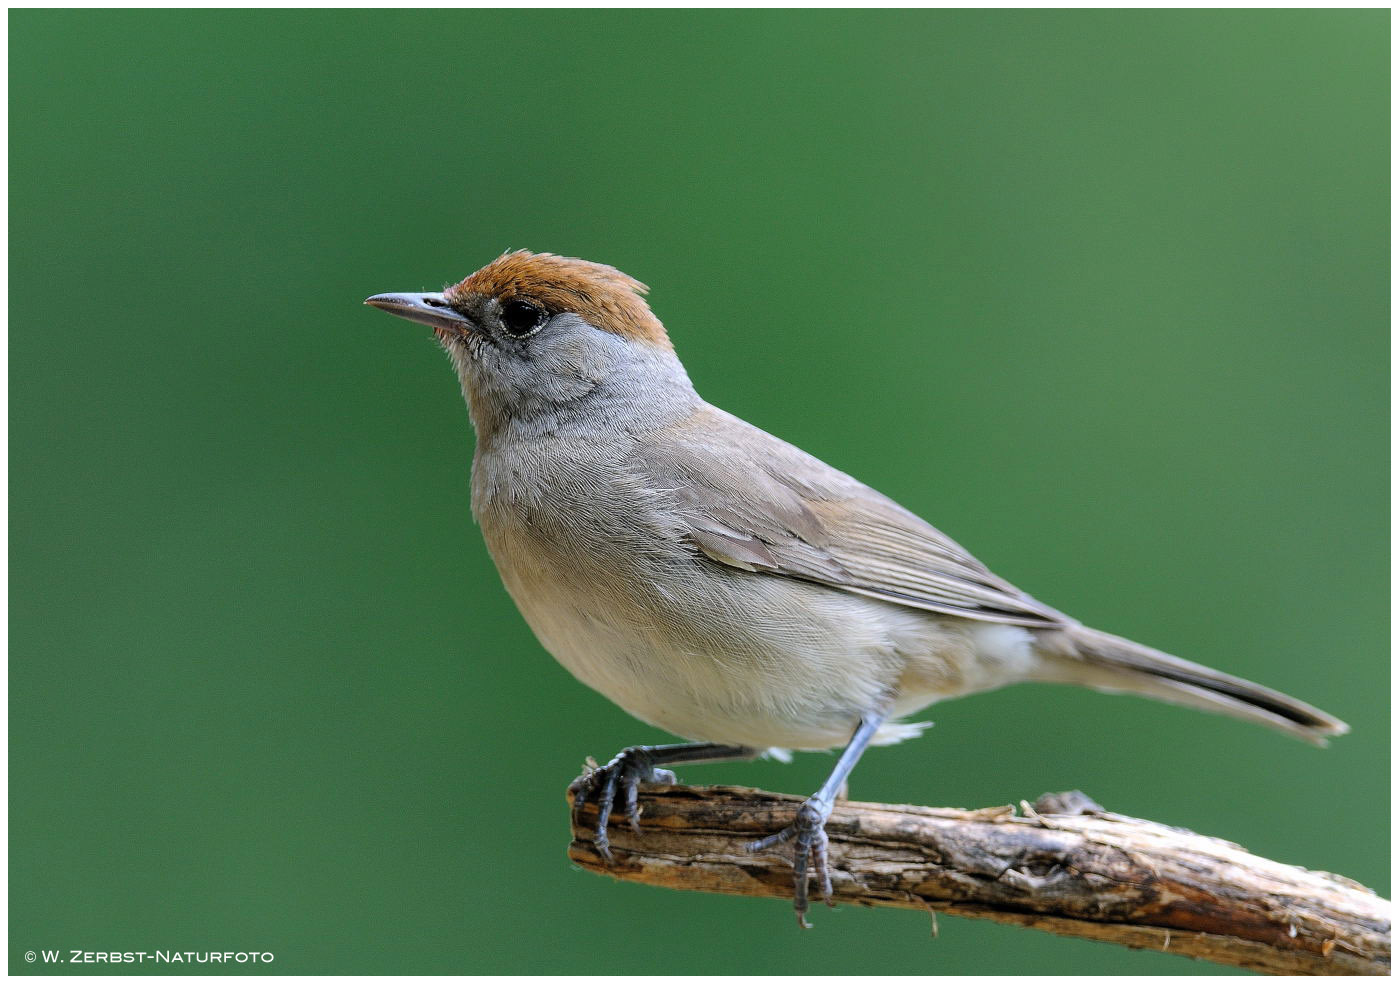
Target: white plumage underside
770	663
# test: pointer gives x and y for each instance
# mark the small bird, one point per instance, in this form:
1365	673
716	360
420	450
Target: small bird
721	584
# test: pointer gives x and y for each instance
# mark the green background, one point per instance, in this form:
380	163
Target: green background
1102	294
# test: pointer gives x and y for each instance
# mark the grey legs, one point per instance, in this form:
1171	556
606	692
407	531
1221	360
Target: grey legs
636	765
808	829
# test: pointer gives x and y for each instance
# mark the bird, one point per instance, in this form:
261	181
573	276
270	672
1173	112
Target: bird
721	584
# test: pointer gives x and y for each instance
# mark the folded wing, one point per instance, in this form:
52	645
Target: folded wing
756	503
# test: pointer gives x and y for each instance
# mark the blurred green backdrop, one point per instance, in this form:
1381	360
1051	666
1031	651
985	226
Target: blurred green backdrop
1102	294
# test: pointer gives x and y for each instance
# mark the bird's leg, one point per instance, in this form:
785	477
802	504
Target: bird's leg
633	766
808	830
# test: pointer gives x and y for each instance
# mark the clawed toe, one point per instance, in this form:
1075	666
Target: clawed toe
810	850
624	774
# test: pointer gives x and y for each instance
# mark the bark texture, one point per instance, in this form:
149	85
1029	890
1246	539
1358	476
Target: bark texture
1065	867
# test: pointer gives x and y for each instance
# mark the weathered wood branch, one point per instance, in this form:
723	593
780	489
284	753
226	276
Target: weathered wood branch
1093	875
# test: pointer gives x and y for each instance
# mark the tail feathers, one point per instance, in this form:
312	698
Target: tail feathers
1106	662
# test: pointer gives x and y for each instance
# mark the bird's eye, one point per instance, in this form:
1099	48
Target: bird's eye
521	318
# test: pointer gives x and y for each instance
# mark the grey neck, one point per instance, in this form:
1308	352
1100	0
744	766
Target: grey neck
649	388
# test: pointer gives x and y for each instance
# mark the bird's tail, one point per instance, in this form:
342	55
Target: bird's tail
1106	662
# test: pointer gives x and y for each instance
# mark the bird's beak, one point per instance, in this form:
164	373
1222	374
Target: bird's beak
428	309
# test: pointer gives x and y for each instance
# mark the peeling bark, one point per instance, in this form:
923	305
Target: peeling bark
1064	867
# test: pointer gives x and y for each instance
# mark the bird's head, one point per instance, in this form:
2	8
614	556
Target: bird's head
534	334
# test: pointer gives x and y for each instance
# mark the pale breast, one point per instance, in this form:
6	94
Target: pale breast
603	574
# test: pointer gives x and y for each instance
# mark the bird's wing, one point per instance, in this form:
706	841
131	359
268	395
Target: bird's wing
754	502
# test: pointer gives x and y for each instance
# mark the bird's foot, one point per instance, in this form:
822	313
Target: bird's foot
627	770
809	851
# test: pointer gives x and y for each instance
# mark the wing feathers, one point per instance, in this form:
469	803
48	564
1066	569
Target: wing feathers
758	504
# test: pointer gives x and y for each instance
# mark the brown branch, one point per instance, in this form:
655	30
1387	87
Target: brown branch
1092	875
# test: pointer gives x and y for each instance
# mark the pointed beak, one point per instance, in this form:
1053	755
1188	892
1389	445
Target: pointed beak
428	309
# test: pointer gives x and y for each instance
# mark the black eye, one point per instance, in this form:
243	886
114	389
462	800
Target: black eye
520	318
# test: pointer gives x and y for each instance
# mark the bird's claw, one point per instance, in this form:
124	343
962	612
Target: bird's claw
809	850
627	770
